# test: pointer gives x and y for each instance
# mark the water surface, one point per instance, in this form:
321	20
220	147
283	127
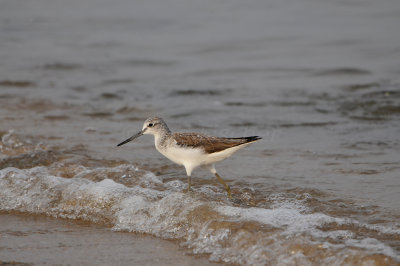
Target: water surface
319	81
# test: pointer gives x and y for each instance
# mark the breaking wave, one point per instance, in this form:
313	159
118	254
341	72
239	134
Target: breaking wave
204	221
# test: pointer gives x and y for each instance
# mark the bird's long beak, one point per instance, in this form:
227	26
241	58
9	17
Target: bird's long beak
132	138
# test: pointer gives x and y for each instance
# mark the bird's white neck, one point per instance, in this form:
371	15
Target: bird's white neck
160	141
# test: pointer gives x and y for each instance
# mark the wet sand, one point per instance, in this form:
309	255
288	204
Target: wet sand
41	240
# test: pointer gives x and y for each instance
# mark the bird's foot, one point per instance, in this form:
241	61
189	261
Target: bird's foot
229	193
189	189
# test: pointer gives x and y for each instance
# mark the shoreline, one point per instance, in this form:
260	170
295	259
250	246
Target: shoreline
37	240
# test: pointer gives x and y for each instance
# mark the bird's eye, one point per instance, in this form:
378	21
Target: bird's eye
150	125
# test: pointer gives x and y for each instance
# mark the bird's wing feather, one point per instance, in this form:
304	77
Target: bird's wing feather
208	143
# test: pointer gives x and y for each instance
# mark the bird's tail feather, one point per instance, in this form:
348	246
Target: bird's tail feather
249	139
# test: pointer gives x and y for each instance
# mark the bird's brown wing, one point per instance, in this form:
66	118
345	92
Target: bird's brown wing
208	143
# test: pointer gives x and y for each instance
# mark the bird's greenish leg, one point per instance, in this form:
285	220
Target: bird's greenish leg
227	188
189	183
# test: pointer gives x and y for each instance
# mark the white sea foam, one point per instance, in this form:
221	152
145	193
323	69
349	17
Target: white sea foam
291	219
228	233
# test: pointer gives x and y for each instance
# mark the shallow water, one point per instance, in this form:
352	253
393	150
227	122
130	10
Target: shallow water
317	80
40	240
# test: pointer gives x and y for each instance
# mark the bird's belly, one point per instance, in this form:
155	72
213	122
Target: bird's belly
184	156
196	157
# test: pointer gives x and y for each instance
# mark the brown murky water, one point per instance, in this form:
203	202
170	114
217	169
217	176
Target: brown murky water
317	80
